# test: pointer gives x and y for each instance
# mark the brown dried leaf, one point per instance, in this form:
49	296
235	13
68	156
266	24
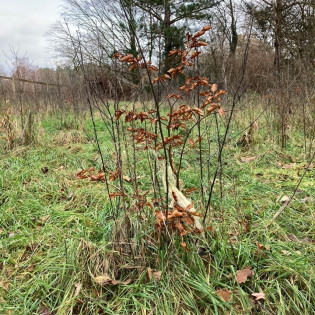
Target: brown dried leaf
78	287
149	271
126	58
195	54
214	87
259	296
106	280
224	294
127	178
198	111
198	34
116	194
221	112
200	44
44	310
157	275
166	76
44	219
4	285
285	199
118	113
155	80
206	28
288	166
242	275
248	159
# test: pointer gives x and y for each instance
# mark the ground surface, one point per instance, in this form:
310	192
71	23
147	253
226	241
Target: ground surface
55	232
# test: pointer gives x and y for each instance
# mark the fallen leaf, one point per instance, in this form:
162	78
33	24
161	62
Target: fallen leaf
116	194
285	252
127	178
224	294
149	271
4	285
157	275
285	199
262	246
78	287
259	296
294	238
242	275
183	244
245	227
44	310
105	279
248	159
44	219
288	166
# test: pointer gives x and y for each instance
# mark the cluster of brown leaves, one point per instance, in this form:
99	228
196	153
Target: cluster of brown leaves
132	116
88	173
180	220
99	176
140	135
135	62
107	280
173	141
225	294
186	56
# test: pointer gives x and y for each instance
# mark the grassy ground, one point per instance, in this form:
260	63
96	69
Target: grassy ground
56	233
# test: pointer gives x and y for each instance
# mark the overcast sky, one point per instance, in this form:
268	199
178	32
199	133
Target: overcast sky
23	26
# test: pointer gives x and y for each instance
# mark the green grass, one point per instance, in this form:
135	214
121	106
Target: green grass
56	234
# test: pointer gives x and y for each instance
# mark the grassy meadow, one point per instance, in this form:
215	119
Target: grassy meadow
58	236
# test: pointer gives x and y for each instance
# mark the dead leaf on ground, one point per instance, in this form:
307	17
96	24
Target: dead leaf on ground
157	275
127	178
294	238
285	199
245	226
44	310
149	271
262	247
78	287
242	275
259	296
44	219
225	294
116	194
4	285
106	280
248	159
288	166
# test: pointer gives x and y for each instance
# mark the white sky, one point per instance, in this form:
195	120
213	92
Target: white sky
23	26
